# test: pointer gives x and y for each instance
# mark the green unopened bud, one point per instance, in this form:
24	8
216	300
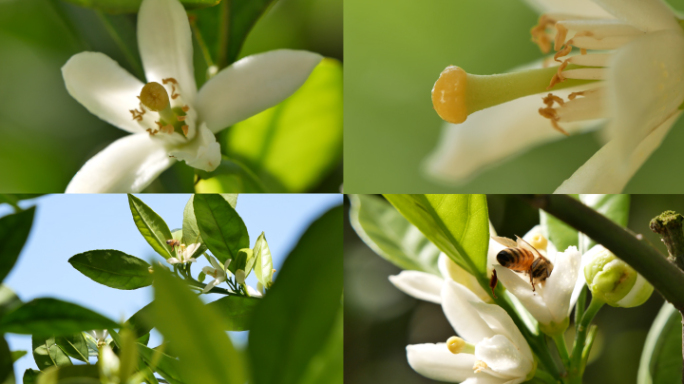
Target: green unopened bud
614	281
240	276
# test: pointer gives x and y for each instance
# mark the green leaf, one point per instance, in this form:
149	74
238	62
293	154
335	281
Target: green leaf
141	321
16	355
457	224
222	229
151	226
14	230
298	314
263	262
244	261
230	176
614	207
391	236
294	145
132	6
74	345
71	374
165	365
559	233
327	366
191	232
205	352
661	358
30	376
8	300
47	316
47	353
113	268
236	311
6	369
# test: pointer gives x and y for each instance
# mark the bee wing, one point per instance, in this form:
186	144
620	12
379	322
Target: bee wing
506	242
525	245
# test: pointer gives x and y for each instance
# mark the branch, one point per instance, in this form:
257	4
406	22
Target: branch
669	226
665	277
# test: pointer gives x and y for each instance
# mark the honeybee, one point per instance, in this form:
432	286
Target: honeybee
521	256
173	243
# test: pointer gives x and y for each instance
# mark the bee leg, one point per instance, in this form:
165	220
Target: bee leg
532	282
492	283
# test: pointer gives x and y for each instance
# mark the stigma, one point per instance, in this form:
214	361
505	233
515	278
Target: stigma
162	111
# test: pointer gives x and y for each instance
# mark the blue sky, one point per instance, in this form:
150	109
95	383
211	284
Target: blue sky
66	225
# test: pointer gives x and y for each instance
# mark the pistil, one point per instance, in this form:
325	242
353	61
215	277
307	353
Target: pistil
154	97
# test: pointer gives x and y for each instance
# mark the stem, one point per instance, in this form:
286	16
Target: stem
545	377
591	336
669	226
580	338
200	41
665	277
223	34
559	339
580	306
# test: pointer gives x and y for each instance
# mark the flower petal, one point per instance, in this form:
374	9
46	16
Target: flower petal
253	292
434	361
165	43
253	84
647	15
646	87
104	88
558	287
493	135
583	8
129	164
203	152
466	320
501	323
605	172
521	288
421	285
503	357
173	260
211	285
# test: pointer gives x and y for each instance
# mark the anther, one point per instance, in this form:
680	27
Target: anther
539	34
180	118
185	108
185	129
479	366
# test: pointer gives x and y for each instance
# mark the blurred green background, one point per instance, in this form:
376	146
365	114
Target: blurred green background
395	52
45	135
380	320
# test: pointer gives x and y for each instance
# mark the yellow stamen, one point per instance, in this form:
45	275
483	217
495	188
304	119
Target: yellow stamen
448	95
480	366
154	96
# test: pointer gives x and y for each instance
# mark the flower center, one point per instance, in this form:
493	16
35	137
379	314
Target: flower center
479	366
160	113
457	345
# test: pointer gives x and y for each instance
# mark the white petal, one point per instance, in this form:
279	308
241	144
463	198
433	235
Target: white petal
165	43
421	285
253	292
559	287
646	87
253	84
584	8
104	88
129	164
503	357
214	262
208	271
434	361
173	260
636	290
487	379
501	323
605	172
211	285
647	15
521	288
203	152
466	320
493	135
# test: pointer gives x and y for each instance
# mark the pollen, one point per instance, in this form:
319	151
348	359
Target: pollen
479	366
154	96
455	344
540	35
174	83
550	113
449	95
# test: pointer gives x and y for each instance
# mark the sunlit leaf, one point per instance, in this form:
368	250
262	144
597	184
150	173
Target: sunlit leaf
14	230
298	313
195	332
191	233
113	268
16	355
74	374
47	316
8	300
236	311
457	224
47	353
151	226
222	229
74	345
391	236
263	262
165	365
661	358
231	176
131	6
293	145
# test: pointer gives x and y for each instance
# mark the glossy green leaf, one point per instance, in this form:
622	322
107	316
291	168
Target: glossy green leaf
141	321
559	233
263	262
70	374
8	300
457	224
113	268
298	313
30	376
74	345
661	358
205	352
14	230
614	207
165	365
236	311
293	145
6	369
327	366
151	226
132	6
16	355
47	353
191	233
47	316
222	229
231	176
391	236
244	260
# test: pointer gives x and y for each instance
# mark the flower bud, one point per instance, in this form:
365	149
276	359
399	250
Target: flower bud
614	281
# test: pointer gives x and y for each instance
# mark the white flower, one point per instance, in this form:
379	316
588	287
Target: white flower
184	254
218	272
553	300
99	335
634	49
171	120
253	292
492	351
